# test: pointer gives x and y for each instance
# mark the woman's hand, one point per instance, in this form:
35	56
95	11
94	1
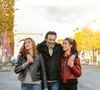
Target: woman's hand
29	59
70	63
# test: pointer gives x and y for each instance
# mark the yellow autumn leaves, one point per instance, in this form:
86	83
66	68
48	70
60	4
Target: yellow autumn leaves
87	39
6	19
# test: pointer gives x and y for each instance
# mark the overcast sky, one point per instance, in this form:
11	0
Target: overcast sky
62	16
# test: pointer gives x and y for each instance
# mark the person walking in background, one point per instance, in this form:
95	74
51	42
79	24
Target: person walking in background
52	52
70	69
30	67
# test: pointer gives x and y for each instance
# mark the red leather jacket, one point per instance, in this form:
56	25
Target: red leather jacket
67	72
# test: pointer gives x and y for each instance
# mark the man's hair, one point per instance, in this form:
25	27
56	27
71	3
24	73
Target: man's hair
50	33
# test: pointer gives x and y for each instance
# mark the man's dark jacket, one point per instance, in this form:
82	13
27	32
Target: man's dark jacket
52	63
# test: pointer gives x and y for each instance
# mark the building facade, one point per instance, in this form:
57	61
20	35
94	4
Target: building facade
19	36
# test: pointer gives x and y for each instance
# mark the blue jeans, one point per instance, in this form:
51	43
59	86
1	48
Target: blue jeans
31	86
53	85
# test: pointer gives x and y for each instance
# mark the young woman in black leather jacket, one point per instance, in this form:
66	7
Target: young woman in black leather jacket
30	67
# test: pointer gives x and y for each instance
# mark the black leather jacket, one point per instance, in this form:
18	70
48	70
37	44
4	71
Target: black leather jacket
37	69
52	63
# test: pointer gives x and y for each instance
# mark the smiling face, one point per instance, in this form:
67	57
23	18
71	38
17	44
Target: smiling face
51	39
66	45
29	47
28	44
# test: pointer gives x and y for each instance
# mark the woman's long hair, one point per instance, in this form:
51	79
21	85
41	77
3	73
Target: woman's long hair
74	46
24	51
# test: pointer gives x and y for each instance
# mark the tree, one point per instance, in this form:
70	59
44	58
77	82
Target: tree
7	19
87	39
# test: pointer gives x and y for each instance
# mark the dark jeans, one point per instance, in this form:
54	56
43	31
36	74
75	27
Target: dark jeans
69	85
53	85
31	86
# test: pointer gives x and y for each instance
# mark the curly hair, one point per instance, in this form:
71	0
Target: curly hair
23	50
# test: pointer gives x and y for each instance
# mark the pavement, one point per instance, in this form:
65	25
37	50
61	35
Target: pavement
90	79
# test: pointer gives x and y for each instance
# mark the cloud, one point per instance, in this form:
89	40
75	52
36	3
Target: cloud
60	15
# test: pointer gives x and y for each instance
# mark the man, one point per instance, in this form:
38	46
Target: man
51	52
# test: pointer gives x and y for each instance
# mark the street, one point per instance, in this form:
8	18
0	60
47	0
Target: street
8	81
90	79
